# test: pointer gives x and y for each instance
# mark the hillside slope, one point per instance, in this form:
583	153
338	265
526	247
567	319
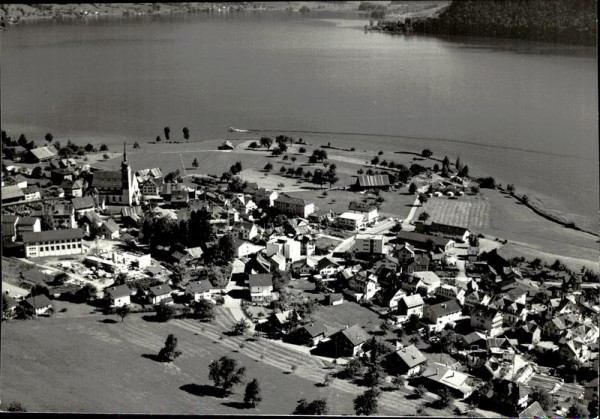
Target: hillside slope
557	21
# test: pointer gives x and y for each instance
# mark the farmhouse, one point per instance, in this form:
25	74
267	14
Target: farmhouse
310	334
28	225
198	290
487	319
421	240
459	234
53	243
12	194
9	227
83	205
441	314
438	376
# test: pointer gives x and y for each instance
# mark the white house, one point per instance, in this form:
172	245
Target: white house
118	296
198	290
369	243
351	221
369	212
261	287
160	293
441	314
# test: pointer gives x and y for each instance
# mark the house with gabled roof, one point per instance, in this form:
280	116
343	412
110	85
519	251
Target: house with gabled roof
411	304
118	296
327	267
534	410
40	154
198	290
261	287
438	376
370	212
39	304
373	182
109	229
310	334
160	293
81	205
407	360
441	314
294	206
349	341
487	319
9	227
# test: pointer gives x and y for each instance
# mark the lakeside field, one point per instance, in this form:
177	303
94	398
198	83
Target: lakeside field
500	215
77	365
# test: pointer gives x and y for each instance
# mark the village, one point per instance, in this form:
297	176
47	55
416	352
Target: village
406	308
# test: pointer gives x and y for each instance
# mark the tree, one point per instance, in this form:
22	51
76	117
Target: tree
48	137
252	395
103	147
282	147
286	157
167	132
424	216
328	379
89	148
464	172
240	327
446	162
136	145
158	139
445	399
384	326
373	376
85	293
366	403
577	411
268	167
186	133
169	353
542	397
426	153
226	373
316	407
458	164
375	160
123	311
204	310
412	189
225	250
419	391
37	172
266	142
195	164
302	150
352	369
164	312
299	172
283	170
15	407
5	306
22	141
293	159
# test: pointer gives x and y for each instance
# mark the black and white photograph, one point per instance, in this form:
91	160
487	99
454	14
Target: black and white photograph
359	208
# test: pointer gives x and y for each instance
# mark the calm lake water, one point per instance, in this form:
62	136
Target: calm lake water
523	112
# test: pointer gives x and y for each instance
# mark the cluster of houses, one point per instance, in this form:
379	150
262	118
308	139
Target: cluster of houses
498	317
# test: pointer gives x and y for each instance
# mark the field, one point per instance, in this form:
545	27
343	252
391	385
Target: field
499	215
77	365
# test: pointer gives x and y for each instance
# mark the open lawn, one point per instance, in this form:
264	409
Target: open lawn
86	365
500	215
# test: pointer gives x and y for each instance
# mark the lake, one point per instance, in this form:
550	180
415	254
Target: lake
525	113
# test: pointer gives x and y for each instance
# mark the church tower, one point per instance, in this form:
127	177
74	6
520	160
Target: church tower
126	179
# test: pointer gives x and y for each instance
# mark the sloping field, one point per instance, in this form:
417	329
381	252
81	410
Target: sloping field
84	365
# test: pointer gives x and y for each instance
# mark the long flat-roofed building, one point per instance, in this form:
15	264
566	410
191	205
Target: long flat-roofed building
53	243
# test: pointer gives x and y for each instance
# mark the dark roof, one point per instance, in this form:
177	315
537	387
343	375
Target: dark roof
118	292
111	226
31	189
27	221
162	289
51	235
413	237
411	356
9	218
373	180
291	200
447	229
444	308
83	203
315	329
355	335
198	286
485	312
260	280
39	301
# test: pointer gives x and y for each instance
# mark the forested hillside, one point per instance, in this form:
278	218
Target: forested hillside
558	21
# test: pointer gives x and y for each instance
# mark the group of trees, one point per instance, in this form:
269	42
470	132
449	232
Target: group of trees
317	156
167	134
539	20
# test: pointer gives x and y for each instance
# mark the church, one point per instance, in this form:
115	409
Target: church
118	187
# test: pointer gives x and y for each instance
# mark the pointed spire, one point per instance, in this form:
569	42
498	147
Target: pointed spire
124	153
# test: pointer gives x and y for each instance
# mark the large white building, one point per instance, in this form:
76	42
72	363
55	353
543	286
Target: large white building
296	207
351	220
53	243
369	243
